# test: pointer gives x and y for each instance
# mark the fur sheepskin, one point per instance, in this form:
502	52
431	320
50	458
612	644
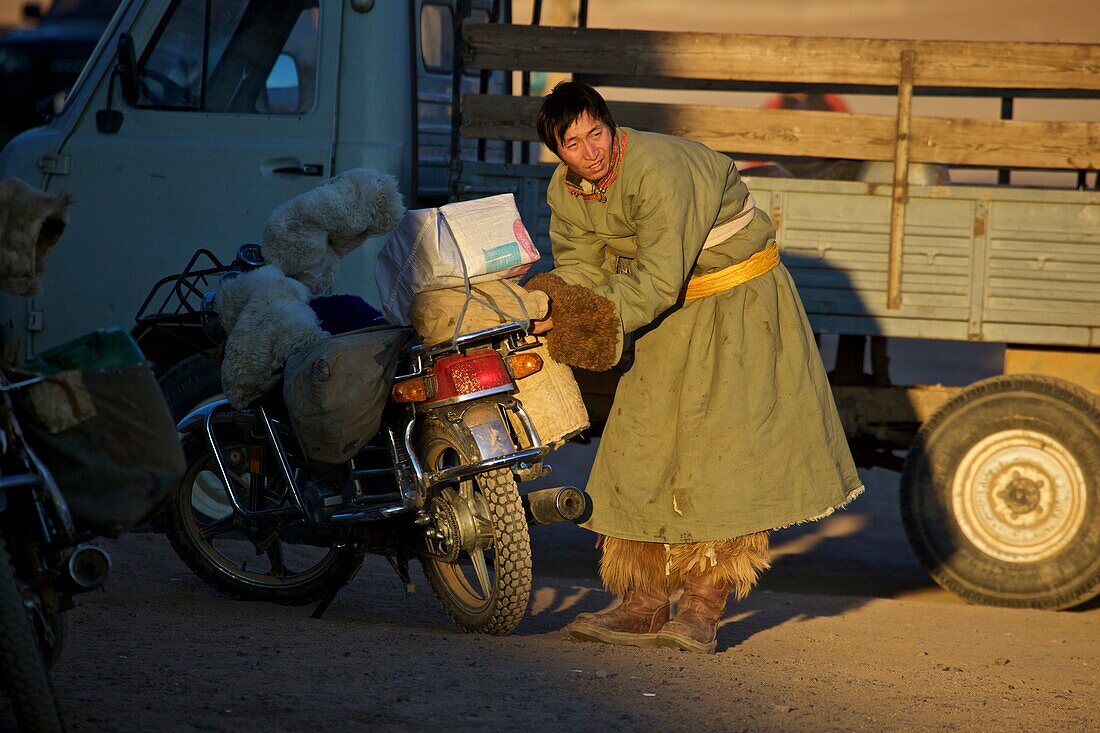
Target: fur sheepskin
657	569
267	317
307	236
587	331
631	565
31	222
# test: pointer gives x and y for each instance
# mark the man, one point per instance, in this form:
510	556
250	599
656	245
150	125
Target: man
724	427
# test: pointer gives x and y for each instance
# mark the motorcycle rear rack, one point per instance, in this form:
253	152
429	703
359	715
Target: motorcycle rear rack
174	304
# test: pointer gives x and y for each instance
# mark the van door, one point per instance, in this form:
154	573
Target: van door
234	115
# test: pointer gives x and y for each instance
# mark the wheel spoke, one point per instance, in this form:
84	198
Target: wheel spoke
275	557
482	570
218	527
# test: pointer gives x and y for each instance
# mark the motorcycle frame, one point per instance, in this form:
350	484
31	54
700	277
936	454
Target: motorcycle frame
412	498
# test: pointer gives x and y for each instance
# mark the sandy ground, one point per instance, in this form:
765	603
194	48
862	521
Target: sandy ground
845	633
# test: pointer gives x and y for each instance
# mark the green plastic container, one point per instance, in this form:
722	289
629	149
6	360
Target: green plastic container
106	347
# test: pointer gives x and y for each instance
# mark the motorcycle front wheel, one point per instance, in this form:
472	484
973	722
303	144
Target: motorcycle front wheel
484	581
248	560
23	669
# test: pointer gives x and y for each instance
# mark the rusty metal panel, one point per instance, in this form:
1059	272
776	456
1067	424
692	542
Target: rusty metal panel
1078	366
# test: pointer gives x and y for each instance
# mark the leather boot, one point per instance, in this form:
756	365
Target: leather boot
695	627
633	622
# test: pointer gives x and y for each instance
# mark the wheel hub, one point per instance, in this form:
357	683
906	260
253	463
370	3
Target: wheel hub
1019	496
458	524
1022	495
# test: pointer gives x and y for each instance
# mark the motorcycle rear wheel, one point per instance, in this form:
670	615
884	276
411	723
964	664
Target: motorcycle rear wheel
23	669
492	598
218	546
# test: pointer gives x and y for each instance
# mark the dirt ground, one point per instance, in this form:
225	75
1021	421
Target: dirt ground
845	633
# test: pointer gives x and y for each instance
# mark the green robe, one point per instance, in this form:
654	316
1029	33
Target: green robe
725	423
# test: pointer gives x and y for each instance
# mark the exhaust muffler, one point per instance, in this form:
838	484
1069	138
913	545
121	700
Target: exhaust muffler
88	566
557	504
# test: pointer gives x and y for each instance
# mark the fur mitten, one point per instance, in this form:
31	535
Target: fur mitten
267	316
31	222
307	236
587	331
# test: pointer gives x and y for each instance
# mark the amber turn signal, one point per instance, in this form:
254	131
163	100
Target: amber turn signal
524	364
417	389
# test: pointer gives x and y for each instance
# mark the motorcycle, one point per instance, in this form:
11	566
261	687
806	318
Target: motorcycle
85	441
255	519
44	562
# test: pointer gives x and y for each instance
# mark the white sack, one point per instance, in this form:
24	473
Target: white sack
429	248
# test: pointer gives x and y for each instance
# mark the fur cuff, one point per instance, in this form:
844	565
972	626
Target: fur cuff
737	562
587	331
631	565
546	282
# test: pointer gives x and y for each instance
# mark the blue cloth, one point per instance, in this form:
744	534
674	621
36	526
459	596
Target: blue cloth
343	313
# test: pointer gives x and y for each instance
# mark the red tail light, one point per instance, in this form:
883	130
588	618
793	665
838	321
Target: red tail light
455	377
462	375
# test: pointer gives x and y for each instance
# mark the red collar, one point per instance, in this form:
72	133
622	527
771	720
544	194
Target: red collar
573	180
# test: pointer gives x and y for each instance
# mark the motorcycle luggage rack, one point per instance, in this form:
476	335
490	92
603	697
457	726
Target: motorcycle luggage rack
174	305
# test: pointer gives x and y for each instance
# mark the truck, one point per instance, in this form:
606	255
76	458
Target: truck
193	120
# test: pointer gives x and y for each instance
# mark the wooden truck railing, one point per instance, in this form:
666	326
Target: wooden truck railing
649	58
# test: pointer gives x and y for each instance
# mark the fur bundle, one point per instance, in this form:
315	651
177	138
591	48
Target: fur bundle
31	222
267	316
307	236
587	330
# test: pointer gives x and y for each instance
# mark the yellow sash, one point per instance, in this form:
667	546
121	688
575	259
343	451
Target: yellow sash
732	276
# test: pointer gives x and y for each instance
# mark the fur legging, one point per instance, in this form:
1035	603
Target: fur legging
655	568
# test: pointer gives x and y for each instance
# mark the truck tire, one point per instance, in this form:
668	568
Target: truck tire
189	383
1000	497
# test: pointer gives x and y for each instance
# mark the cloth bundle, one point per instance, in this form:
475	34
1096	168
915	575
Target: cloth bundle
431	249
551	396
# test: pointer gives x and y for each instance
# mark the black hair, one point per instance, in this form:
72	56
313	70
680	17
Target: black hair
568	101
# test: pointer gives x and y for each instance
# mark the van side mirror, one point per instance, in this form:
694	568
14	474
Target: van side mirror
127	69
108	120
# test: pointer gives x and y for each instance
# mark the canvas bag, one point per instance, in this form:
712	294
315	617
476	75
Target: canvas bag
109	440
336	388
478	241
551	396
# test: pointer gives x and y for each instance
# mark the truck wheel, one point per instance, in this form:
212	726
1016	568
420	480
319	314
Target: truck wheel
191	382
999	494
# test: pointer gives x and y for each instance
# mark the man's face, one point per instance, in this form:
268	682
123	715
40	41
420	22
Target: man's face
586	148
